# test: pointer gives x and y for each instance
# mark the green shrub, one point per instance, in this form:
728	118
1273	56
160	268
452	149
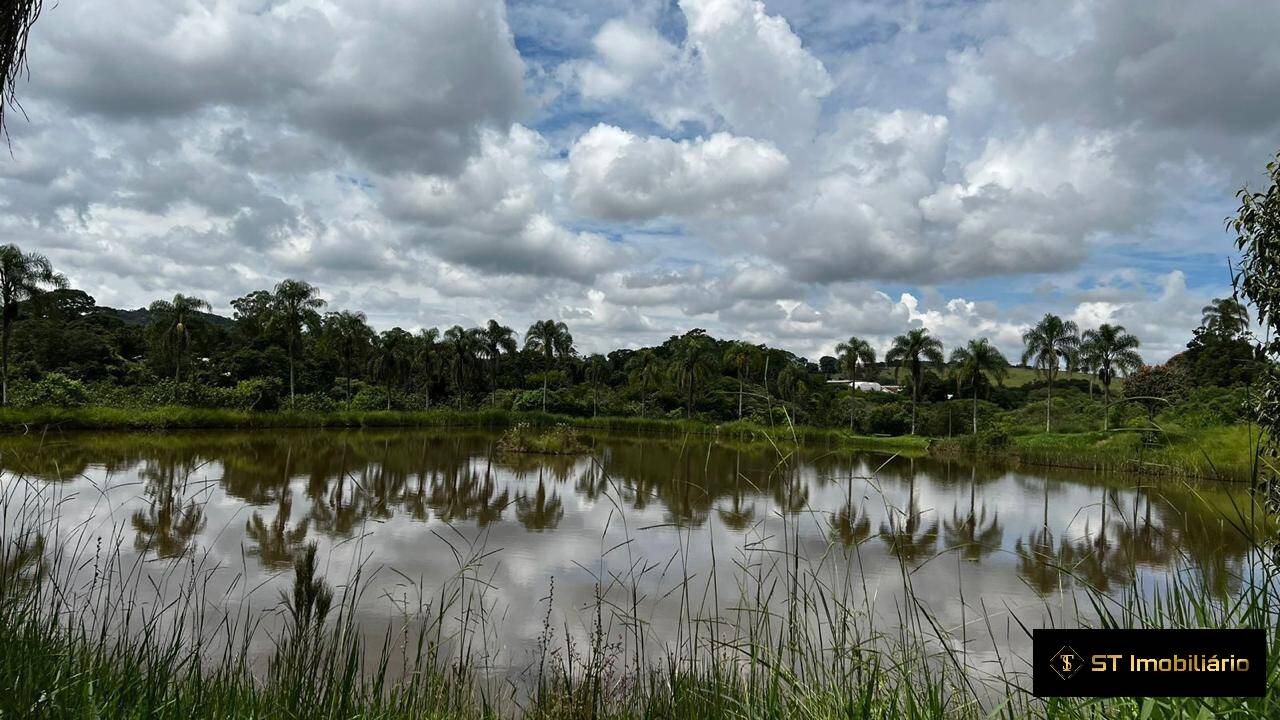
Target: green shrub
51	390
890	419
257	394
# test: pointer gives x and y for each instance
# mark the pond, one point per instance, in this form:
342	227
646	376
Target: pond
650	540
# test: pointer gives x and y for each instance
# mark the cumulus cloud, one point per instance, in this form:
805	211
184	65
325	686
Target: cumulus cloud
641	168
493	215
759	76
401	86
617	175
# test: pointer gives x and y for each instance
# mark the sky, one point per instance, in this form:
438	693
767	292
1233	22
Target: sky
791	172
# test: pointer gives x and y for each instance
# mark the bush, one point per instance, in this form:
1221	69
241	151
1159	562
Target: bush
257	394
890	419
369	398
312	403
51	390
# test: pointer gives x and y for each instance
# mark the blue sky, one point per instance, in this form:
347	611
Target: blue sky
787	171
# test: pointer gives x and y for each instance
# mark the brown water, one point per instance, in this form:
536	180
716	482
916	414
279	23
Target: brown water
670	529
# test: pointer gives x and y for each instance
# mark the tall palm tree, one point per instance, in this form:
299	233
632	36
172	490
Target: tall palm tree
425	351
974	360
1226	317
740	356
295	306
1047	344
793	387
464	346
552	339
22	276
852	353
498	340
391	357
1110	349
597	365
913	351
349	334
173	319
643	370
690	365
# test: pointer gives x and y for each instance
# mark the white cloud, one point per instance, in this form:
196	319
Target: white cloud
617	175
759	76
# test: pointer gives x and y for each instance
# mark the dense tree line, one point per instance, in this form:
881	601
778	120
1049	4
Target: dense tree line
285	347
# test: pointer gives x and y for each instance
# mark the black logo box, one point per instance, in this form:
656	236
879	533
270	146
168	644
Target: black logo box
1101	675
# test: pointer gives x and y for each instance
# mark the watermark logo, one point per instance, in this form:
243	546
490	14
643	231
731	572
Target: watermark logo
1067	662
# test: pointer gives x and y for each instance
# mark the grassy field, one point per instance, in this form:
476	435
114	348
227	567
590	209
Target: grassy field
1019	376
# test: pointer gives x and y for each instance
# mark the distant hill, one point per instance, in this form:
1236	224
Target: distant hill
142	316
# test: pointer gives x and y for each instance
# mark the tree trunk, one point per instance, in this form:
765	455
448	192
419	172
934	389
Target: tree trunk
767	400
1048	404
546	368
688	405
975	407
347	370
1106	406
4	362
915	398
291	376
739	394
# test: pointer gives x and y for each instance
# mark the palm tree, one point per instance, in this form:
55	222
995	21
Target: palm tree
596	367
498	340
690	365
425	349
174	318
643	370
552	339
1225	317
793	387
464	346
391	358
294	307
852	353
1051	340
1110	349
22	276
979	357
913	350
739	356
349	334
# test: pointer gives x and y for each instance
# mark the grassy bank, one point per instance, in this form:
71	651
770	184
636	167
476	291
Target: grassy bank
80	638
46	419
1223	452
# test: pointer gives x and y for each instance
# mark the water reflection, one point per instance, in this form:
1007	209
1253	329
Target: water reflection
1045	531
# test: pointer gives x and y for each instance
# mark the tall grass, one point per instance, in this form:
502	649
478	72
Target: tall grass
85	633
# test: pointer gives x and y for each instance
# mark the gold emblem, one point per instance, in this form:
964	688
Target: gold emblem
1067	662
